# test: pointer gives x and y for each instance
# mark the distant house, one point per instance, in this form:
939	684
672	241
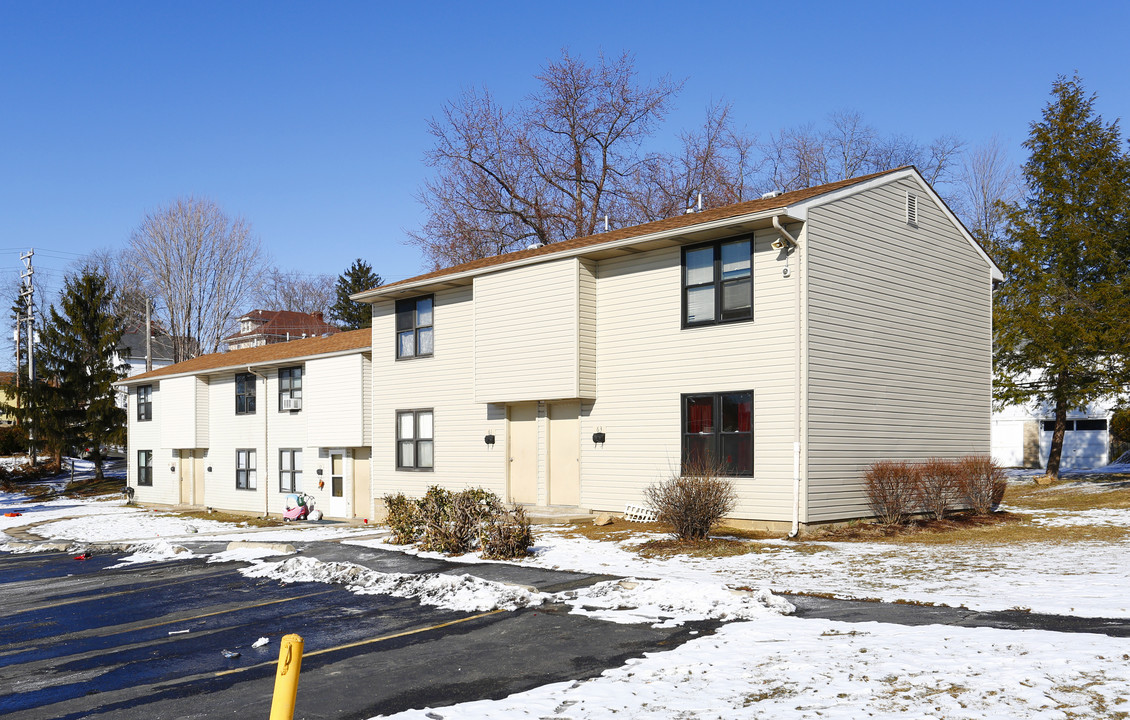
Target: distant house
1022	435
131	351
7	395
265	327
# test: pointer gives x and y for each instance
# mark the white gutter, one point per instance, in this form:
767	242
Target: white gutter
781	229
138	380
793	246
613	245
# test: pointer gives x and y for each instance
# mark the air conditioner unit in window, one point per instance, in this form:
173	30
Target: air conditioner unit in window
292	403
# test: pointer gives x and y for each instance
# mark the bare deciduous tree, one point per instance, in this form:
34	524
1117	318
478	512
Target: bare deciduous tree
126	279
987	182
203	268
545	171
291	290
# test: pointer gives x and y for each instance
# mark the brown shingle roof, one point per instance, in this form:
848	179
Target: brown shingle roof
339	342
671	223
285	322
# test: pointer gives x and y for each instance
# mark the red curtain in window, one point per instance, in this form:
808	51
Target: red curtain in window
745	416
700	415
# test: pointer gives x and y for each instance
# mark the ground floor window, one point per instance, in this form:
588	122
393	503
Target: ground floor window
290	471
245	469
414	440
718	431
144	467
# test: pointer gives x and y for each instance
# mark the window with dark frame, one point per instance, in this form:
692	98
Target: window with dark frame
244	394
244	469
290	389
414	336
144	402
414	440
145	467
290	470
718	430
718	282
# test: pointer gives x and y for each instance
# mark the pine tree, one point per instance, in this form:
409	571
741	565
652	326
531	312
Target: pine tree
348	314
74	396
1063	313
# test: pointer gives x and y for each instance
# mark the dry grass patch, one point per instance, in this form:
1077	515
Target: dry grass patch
710	547
233	518
999	528
1089	493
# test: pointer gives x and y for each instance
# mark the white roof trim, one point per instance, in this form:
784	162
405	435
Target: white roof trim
804	206
240	366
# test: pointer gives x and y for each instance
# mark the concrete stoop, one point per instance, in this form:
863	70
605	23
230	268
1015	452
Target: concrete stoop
555	514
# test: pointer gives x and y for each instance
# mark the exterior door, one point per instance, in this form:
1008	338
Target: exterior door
522	444
187	477
339	501
361	498
564	453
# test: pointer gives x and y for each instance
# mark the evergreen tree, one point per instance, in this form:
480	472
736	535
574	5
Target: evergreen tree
348	314
73	402
1062	315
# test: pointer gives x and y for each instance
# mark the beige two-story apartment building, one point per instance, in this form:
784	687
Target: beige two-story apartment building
241	430
793	339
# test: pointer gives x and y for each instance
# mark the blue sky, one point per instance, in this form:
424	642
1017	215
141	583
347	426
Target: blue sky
308	119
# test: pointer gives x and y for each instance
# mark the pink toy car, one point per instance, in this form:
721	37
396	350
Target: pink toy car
297	507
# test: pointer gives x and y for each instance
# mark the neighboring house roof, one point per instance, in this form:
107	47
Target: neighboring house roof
780	203
132	345
283	324
338	343
7	378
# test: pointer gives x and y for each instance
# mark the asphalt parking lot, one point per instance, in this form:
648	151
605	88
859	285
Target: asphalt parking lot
81	640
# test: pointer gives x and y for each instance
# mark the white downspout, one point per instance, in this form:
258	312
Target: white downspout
793	244
266	449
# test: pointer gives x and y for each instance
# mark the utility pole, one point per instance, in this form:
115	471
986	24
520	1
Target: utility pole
27	298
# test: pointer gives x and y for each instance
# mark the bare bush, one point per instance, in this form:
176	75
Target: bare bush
457	522
694	501
937	487
981	483
892	489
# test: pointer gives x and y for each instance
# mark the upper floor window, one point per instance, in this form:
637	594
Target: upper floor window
245	469
414	440
290	388
244	394
414	327
718	433
144	467
718	282
144	402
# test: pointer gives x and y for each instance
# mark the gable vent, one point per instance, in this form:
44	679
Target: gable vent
912	210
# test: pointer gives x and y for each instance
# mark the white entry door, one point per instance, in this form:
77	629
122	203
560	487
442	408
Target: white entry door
339	497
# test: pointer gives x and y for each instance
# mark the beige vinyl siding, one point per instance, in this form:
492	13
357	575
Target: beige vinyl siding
586	323
367	401
228	432
201	390
445	383
899	324
178	425
147	436
333	400
647	361
527	331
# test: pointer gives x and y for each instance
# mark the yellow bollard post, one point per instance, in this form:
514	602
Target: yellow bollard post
286	677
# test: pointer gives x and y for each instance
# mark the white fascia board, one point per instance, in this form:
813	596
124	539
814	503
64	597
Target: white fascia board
804	206
376	293
229	368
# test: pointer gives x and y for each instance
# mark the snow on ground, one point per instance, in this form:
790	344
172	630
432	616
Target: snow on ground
781	667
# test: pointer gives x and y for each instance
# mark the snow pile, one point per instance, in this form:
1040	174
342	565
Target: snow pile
782	667
125	523
154	551
451	592
667	603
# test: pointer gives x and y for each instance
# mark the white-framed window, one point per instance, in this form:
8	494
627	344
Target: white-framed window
290	470
245	469
290	389
414	332
415	438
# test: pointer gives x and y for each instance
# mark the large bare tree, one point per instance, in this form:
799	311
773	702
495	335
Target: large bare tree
547	170
203	268
988	182
296	291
